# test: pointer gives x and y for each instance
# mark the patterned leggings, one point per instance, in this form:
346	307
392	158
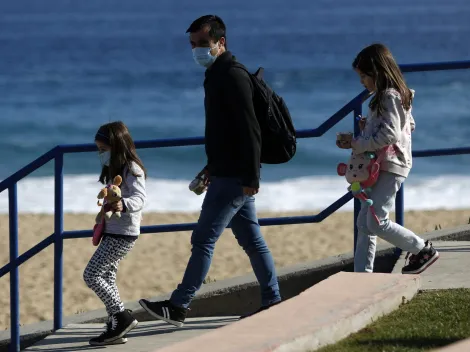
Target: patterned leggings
100	273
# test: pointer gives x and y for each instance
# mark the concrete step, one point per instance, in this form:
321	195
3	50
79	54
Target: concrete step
449	271
147	336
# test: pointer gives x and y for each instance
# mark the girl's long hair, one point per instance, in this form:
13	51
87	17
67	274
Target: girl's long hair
123	151
377	62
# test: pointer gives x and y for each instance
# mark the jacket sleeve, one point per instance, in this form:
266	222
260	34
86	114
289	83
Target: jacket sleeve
389	127
135	181
239	98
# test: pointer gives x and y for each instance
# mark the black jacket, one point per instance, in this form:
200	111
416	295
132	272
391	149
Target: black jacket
233	137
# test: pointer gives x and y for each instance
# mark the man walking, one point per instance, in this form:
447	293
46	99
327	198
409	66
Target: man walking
233	147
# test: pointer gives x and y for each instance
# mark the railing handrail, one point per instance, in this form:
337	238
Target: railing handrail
435	66
263	221
166	142
26	170
188	141
57	238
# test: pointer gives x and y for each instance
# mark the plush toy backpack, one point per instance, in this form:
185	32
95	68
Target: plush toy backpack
362	172
109	194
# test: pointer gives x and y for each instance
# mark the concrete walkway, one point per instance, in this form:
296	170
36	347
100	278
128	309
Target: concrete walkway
323	314
450	270
147	336
461	346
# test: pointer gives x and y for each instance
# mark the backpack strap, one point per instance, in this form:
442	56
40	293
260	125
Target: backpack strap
259	73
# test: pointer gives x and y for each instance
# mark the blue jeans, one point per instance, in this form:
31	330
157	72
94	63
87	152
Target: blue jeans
226	204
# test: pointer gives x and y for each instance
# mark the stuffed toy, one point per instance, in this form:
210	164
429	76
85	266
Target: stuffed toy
362	172
109	194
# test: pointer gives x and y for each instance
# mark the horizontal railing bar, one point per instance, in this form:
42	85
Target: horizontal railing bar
179	142
335	206
25	171
317	132
142	144
28	254
286	220
190	141
441	152
171	142
333	120
435	66
266	221
11	181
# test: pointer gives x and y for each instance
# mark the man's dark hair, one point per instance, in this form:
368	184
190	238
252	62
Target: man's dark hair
215	24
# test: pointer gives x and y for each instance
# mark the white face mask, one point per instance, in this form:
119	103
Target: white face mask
203	56
105	157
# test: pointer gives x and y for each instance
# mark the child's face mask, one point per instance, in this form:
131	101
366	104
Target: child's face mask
105	157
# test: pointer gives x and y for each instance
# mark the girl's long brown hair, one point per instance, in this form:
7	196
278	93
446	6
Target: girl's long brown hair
377	62
123	151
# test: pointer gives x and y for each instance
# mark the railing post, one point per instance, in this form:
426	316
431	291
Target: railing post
400	206
357	202
14	273
58	239
399	213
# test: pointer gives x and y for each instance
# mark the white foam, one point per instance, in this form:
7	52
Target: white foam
36	194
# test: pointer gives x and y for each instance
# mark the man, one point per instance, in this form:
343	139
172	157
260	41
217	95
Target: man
233	147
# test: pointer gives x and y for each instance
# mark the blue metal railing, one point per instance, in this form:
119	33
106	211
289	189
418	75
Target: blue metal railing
57	238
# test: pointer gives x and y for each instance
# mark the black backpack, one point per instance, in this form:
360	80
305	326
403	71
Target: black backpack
278	139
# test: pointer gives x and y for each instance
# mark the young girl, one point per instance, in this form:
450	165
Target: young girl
387	129
118	156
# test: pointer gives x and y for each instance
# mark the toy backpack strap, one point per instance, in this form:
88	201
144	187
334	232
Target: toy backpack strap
381	154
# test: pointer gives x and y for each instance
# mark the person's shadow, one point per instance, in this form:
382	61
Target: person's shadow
76	338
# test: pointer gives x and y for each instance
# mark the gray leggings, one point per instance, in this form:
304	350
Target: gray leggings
383	194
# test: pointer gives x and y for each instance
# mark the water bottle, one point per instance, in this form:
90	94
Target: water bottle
198	185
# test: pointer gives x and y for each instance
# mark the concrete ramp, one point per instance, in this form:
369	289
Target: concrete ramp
323	314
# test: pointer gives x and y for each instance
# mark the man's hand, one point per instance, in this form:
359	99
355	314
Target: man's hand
117	206
248	191
206	174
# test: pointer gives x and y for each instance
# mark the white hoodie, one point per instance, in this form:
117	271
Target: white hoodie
133	198
393	129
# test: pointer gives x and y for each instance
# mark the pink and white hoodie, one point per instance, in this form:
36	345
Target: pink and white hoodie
393	129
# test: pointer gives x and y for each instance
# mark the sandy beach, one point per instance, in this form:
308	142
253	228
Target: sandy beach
157	262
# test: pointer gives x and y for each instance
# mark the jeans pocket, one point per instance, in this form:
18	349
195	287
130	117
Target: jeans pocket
239	197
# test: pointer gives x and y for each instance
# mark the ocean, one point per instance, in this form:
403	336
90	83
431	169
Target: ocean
66	67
